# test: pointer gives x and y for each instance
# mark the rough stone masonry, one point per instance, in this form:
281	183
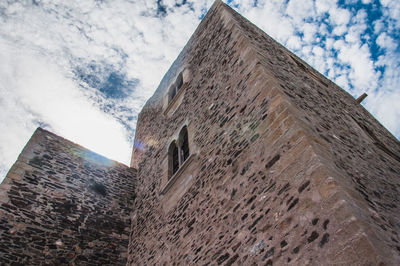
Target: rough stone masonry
271	164
62	204
286	167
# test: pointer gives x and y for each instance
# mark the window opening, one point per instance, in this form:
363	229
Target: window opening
173	159
172	93
178	152
179	82
185	144
175	87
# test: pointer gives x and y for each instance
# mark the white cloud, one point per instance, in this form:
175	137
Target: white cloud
385	105
329	43
323	6
41	94
339	16
362	74
300	10
392	8
309	31
294	43
386	42
318	51
342	81
378	26
340	30
268	17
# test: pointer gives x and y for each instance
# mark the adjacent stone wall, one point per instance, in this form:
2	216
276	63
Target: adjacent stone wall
288	168
63	204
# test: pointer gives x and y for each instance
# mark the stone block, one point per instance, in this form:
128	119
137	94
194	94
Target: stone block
328	187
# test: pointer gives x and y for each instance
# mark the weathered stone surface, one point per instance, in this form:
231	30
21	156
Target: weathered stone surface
63	204
289	168
285	168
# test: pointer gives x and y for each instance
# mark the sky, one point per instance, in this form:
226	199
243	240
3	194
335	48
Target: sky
84	69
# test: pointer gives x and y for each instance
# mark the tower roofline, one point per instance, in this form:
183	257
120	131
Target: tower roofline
216	8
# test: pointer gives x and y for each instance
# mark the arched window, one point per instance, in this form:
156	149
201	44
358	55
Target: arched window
179	81
173	159
172	93
184	141
178	152
173	90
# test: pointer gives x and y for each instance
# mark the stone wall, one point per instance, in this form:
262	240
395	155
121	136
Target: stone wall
286	167
63	204
350	141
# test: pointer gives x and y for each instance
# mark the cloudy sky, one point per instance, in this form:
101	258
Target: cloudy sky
84	69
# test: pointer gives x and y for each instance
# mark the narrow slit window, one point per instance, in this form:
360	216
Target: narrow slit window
173	91
179	82
173	159
185	144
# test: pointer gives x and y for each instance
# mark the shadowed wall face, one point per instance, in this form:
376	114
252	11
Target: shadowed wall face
63	204
348	140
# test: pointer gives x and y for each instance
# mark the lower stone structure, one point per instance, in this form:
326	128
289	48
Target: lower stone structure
63	204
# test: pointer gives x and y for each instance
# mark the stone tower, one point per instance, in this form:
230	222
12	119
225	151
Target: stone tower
245	154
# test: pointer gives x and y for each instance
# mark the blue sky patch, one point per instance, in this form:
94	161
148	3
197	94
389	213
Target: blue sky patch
111	83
